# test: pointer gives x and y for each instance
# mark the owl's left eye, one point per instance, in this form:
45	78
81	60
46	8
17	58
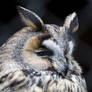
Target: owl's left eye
44	52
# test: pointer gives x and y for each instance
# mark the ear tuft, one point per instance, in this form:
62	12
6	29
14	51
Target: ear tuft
30	18
71	22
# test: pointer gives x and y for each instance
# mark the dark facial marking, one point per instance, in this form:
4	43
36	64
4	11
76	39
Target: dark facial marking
45	52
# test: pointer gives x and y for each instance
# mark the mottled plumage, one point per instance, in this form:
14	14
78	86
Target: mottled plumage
39	58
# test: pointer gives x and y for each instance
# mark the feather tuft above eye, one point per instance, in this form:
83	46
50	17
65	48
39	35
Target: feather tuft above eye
71	22
31	19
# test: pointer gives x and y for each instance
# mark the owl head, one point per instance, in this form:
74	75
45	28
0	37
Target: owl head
51	46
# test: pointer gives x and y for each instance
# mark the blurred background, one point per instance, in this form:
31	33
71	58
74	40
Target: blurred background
53	12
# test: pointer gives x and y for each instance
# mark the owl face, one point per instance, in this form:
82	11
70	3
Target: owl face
51	47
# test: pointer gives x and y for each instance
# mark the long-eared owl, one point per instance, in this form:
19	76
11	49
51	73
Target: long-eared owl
39	57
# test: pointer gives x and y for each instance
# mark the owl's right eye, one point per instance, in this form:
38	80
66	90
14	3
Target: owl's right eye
44	52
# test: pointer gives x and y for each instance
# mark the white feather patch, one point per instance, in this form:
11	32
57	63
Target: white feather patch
71	45
51	45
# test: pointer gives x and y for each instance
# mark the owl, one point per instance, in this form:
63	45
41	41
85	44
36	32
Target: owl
38	58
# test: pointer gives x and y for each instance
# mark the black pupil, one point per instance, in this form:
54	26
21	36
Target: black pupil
46	52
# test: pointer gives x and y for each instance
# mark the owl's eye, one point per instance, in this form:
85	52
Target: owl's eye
44	52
